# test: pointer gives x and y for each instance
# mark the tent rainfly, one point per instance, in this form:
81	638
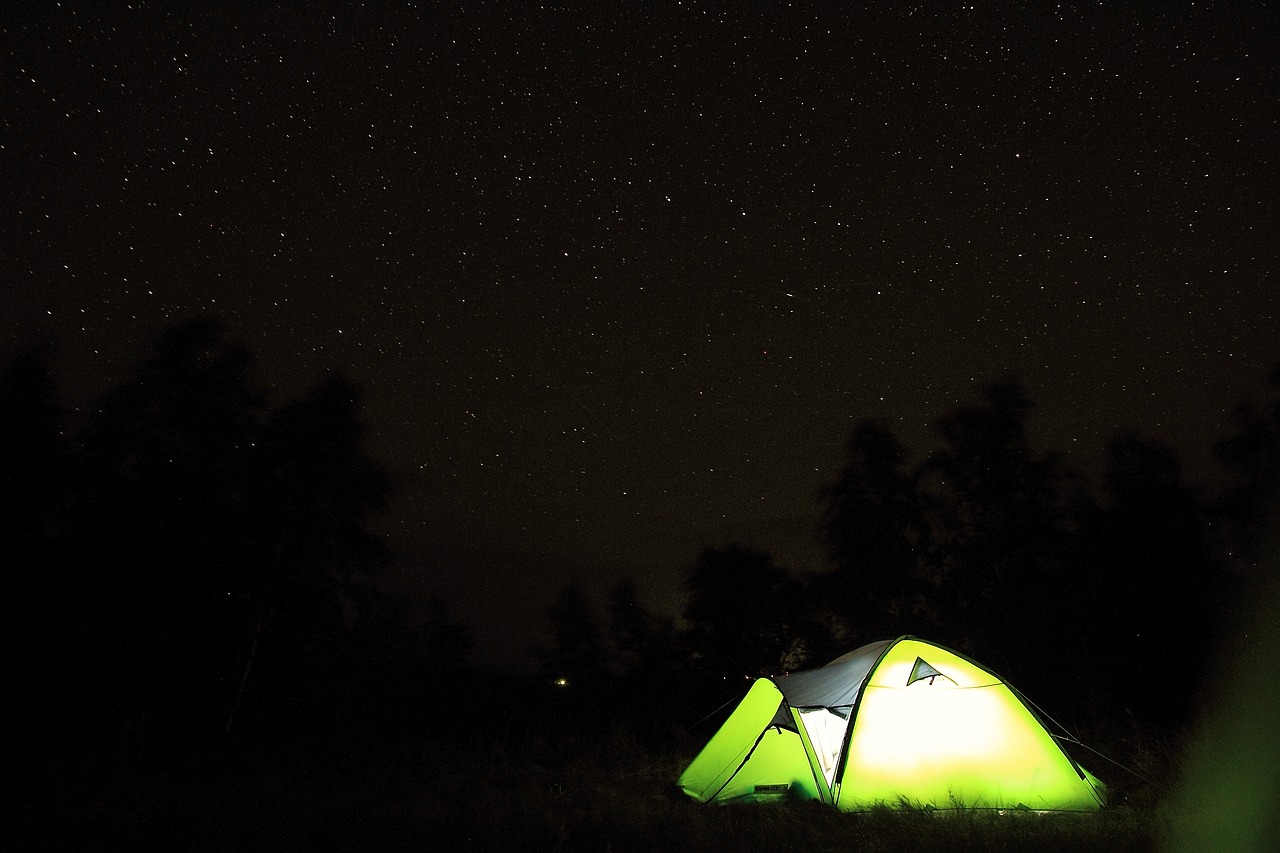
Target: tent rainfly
898	723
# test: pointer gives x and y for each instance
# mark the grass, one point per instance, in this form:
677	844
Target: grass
525	791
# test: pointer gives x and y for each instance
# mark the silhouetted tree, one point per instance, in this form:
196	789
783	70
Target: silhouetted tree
1156	589
396	673
577	654
876	538
33	464
447	643
642	645
1001	551
222	558
166	529
1005	520
746	615
319	558
1251	506
34	493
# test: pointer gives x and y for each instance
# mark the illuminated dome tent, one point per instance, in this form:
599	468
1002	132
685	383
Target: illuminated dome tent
897	723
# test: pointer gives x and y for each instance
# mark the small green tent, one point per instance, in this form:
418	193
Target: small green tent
899	722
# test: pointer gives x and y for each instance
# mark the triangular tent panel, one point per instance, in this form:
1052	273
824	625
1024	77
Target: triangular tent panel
758	754
922	670
900	722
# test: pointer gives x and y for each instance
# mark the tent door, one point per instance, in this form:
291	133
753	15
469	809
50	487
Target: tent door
826	730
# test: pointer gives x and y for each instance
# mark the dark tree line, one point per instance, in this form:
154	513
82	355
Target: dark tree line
194	568
191	568
1107	602
1110	600
628	647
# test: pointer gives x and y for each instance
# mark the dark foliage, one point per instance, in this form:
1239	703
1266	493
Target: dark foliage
34	462
1103	607
34	494
1251	456
1002	515
746	615
876	534
194	570
998	549
1157	589
194	583
644	647
578	656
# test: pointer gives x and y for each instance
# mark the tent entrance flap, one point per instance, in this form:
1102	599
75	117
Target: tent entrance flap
826	729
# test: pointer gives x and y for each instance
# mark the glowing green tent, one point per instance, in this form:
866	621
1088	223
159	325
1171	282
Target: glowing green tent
899	722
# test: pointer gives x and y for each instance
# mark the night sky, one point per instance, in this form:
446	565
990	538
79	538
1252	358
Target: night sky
618	279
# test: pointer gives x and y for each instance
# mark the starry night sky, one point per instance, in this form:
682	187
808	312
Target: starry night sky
618	279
